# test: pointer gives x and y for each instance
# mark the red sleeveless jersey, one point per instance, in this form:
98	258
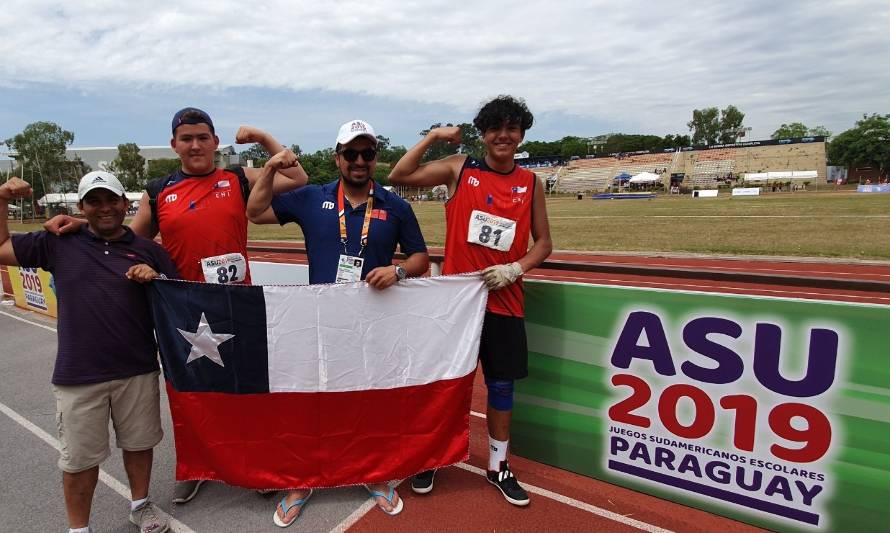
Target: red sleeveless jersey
202	216
509	196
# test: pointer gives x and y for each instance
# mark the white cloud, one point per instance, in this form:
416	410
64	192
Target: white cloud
639	64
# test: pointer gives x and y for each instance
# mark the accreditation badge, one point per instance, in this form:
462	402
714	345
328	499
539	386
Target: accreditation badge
349	268
491	231
225	269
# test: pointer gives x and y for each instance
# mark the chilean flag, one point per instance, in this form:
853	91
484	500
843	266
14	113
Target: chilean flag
319	385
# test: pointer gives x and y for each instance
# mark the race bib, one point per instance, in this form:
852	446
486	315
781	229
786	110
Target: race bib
491	231
349	269
226	268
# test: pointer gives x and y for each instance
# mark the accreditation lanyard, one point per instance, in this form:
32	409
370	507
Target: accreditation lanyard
341	206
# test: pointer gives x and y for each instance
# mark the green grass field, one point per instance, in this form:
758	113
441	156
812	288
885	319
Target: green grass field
822	224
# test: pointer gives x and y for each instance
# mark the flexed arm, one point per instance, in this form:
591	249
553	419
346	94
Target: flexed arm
11	190
409	171
285	179
259	204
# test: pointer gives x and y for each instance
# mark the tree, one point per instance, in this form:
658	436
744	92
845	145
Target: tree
41	149
790	131
710	125
797	129
129	167
470	143
320	166
730	124
820	131
470	140
158	168
382	143
387	153
676	141
867	143
622	142
392	154
541	148
257	154
705	125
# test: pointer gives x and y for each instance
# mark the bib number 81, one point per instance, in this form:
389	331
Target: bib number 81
486	232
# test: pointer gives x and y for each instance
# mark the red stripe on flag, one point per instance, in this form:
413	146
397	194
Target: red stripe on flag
326	439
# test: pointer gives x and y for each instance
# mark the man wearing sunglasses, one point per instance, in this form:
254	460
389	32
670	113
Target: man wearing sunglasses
493	204
351	226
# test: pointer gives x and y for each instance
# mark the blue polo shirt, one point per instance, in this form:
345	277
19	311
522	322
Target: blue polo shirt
105	328
314	208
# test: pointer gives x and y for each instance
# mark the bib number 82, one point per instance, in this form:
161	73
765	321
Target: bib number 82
227	275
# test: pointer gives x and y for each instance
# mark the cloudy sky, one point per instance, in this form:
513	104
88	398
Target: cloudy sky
115	72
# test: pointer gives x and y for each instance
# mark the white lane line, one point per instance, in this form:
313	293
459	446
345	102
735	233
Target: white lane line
356	515
104	476
39	325
571	502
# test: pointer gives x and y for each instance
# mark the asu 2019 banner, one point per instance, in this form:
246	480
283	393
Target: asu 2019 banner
771	411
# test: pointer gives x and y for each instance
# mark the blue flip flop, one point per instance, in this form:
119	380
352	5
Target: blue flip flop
397	508
285	508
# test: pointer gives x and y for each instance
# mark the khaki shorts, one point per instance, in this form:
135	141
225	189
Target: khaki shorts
83	411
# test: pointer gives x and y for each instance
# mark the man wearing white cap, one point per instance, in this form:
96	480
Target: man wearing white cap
351	226
106	366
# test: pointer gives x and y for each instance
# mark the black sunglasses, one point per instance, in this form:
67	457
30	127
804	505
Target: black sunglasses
351	154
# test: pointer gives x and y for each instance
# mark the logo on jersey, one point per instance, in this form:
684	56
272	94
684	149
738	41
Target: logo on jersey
327	205
518	190
472	180
223	184
171	198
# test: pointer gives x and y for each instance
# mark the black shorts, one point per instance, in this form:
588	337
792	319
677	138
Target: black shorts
503	349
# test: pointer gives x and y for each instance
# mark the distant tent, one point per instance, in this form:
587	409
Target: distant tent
781	176
645	177
624	176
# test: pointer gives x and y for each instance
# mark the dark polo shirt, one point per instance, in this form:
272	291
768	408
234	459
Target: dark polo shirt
314	208
105	328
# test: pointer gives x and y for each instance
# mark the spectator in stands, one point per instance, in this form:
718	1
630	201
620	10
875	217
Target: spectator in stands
495	185
106	366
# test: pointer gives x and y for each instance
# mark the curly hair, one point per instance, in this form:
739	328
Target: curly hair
504	109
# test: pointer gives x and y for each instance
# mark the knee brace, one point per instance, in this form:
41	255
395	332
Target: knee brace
500	394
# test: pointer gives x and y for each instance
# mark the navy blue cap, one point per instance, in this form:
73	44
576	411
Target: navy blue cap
196	116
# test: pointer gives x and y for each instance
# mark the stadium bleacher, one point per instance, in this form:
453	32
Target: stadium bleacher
596	175
703	168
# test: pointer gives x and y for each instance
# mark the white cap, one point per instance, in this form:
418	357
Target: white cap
353	129
99	179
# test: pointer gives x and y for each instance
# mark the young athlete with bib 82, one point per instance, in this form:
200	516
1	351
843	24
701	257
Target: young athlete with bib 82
493	205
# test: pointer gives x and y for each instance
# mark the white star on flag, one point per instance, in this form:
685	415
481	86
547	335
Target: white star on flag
205	343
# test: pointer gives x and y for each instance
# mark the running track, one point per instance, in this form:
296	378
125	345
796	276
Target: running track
462	501
563	501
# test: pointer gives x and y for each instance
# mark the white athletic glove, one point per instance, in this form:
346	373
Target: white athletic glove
499	276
